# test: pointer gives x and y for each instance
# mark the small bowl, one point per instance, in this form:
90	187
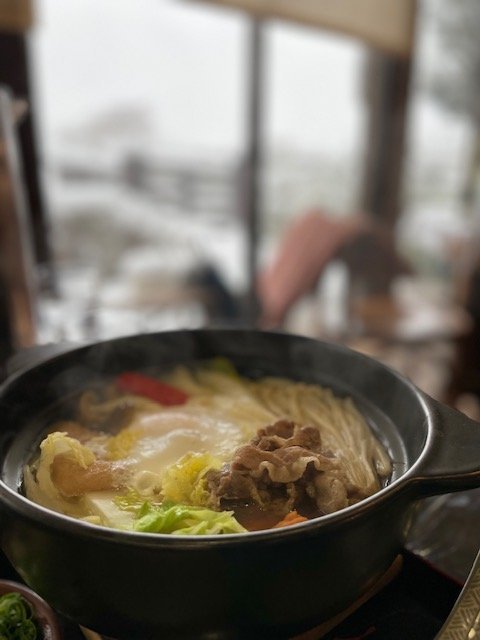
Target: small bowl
43	613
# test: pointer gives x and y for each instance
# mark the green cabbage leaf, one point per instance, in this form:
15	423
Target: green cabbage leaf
181	519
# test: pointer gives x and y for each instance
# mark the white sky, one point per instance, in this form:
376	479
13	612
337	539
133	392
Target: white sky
185	61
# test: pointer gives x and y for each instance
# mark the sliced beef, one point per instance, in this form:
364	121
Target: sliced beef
282	468
284	433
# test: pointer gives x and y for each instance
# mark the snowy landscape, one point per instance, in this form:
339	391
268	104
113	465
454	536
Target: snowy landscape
142	121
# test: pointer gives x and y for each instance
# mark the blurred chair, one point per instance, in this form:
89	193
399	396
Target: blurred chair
465	383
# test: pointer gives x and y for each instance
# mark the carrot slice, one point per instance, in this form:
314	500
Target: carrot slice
291	518
142	385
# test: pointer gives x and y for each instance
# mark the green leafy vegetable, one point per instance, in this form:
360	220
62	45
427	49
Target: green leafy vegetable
181	519
185	520
220	364
16	618
184	481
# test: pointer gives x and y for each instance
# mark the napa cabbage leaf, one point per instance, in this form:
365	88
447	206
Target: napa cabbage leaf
184	482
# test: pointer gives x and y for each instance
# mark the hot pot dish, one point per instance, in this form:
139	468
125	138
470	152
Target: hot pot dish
216	484
203	450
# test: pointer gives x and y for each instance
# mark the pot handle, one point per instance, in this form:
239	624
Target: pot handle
453	459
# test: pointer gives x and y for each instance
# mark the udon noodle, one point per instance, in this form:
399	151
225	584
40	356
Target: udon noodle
206	451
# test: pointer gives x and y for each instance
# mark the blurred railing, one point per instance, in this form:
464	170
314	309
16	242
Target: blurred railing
192	187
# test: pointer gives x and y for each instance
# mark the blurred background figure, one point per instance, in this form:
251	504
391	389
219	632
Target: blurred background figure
310	244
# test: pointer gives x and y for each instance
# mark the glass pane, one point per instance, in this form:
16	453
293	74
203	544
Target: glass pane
314	124
142	123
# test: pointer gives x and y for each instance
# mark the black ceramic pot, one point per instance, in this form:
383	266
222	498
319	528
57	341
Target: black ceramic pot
268	584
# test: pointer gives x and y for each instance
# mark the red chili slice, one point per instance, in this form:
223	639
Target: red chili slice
141	385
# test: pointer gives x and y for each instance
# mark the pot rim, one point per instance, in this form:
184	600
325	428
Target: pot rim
406	482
